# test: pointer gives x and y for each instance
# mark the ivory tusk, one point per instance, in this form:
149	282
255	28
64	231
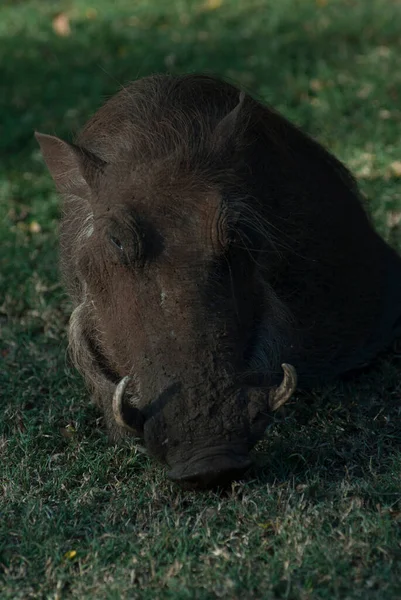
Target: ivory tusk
118	398
280	395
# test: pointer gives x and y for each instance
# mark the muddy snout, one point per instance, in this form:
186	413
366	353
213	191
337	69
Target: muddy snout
204	439
210	469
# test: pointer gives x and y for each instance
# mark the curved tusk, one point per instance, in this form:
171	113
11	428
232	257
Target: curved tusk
281	394
118	406
118	400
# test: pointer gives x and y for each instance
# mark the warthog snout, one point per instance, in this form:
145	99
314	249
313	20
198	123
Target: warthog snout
216	466
212	448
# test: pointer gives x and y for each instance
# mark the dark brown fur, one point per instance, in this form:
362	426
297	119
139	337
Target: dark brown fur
245	245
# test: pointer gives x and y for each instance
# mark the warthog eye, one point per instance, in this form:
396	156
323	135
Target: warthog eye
116	242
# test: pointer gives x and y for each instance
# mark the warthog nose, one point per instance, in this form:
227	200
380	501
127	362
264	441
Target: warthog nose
209	472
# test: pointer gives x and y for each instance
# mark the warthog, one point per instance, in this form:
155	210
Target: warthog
215	256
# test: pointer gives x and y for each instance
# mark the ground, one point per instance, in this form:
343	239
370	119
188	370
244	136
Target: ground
320	516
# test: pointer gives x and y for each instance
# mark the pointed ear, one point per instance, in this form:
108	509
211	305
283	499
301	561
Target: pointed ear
72	168
228	126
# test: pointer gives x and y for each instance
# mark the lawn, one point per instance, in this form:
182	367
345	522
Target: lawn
320	515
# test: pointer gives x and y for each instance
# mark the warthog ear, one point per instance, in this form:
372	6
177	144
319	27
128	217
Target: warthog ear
72	168
228	126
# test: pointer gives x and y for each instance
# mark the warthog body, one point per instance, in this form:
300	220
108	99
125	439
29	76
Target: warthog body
205	242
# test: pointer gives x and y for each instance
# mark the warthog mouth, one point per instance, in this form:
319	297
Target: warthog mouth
130	416
223	461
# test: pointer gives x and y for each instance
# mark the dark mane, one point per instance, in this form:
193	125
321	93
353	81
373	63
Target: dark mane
162	116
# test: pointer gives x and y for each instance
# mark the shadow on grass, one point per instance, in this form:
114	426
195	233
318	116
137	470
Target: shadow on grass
345	432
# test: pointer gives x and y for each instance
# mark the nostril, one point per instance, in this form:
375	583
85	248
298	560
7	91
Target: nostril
213	479
210	473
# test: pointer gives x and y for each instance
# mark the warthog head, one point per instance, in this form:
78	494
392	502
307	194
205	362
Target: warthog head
212	251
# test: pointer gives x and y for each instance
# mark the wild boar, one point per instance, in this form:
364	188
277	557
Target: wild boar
215	256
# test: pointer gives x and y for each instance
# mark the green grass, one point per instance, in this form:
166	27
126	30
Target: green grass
320	516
